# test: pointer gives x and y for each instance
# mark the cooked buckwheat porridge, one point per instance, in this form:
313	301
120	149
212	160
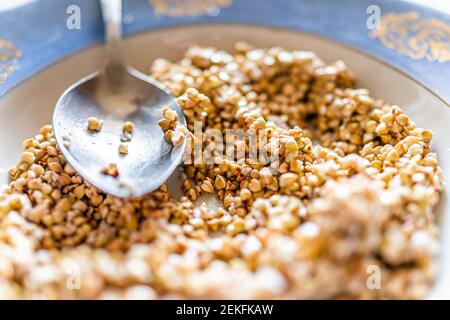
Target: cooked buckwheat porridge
345	210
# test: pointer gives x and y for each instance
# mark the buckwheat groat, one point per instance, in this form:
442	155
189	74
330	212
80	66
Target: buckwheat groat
94	124
348	193
173	130
127	132
128	127
111	170
123	149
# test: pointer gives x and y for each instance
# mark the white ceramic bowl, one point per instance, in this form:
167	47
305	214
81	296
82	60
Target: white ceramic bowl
29	106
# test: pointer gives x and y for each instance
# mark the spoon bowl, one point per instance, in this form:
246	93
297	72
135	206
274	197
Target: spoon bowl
115	94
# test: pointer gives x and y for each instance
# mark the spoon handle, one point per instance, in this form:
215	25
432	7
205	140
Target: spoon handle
112	18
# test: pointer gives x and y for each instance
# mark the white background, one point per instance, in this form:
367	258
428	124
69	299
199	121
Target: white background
443	5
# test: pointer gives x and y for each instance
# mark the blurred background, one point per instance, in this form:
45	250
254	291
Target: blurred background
443	5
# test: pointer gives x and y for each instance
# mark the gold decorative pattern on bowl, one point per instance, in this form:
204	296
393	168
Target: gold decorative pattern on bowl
9	56
418	38
177	8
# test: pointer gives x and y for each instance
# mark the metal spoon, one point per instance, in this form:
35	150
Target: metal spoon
115	94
